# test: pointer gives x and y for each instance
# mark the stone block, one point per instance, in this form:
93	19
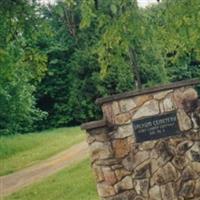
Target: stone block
115	108
164	152
117	166
142	187
123	118
139	198
154	193
185	99
179	162
127	105
148	109
187	189
194	152
174	142
185	123
105	190
184	146
149	145
190	97
188	174
178	98
197	114
162	95
100	150
101	137
196	146
195	156
108	112
196	166
90	139
190	94
193	135
109	175
197	188
107	162
121	148
140	100
195	121
164	175
127	162
140	157
131	143
142	171
127	195
154	166
161	106
121	173
98	173
154	154
167	104
125	184
167	192
124	131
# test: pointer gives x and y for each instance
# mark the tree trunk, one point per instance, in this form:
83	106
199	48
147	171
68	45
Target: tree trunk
96	4
69	21
135	67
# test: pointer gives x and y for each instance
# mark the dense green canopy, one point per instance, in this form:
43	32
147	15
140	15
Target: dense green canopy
55	60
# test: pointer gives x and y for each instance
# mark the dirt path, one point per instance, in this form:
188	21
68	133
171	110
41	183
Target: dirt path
13	182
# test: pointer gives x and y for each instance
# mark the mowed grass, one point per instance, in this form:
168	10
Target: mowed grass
74	183
20	151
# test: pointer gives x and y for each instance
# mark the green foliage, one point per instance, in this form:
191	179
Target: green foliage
177	32
72	83
87	13
16	100
92	48
127	28
164	37
21	67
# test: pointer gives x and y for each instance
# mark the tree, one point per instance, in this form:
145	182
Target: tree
177	31
21	66
72	83
126	42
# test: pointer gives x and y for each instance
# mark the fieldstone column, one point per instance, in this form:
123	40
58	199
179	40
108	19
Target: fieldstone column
131	164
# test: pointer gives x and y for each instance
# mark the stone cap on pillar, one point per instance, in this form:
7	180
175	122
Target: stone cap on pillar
94	124
125	95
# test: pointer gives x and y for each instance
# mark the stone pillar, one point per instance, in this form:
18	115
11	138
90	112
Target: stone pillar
166	168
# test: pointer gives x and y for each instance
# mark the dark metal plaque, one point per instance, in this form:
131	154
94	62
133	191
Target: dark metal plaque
155	127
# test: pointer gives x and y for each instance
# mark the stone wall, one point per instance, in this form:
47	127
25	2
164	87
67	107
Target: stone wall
164	169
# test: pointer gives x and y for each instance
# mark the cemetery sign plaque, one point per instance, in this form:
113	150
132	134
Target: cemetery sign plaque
156	127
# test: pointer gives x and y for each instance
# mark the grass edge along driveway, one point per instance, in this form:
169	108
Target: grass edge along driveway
73	183
20	151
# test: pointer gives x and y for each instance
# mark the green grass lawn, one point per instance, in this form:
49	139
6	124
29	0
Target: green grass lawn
73	183
19	151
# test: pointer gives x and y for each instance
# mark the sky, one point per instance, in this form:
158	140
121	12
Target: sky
142	3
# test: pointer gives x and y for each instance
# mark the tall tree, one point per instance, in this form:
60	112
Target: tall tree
126	41
21	66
